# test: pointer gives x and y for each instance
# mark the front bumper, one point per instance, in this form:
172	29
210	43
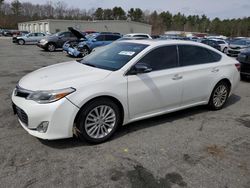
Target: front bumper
233	52
41	45
73	52
59	114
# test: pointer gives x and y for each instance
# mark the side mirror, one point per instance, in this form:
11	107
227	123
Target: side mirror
94	40
140	68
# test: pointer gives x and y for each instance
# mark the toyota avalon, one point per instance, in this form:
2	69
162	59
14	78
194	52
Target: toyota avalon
120	83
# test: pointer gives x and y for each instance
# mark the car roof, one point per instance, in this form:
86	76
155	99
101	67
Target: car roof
156	43
163	42
137	34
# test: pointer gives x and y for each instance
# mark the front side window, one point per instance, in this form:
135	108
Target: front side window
114	56
195	55
161	58
100	38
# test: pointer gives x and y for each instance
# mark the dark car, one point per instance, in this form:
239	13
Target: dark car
93	41
212	43
52	42
244	59
73	43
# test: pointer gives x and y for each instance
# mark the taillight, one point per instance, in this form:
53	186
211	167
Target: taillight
237	65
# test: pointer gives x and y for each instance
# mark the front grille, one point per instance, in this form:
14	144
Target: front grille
21	115
233	52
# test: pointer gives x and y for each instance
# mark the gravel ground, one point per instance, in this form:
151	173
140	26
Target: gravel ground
191	148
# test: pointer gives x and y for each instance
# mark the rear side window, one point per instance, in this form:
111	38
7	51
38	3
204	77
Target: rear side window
195	55
161	58
111	37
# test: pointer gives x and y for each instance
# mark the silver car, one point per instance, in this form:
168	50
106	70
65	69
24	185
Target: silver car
31	38
237	46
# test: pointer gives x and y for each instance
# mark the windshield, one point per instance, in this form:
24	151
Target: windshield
113	56
220	42
240	42
57	34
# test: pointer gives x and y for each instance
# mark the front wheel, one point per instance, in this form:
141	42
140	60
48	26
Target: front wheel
98	121
219	96
21	42
85	51
51	47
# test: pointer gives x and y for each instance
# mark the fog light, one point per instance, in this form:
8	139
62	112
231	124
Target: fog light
42	127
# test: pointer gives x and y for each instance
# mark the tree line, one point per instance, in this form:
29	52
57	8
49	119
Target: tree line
14	12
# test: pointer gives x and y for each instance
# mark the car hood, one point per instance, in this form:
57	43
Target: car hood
78	34
62	75
235	46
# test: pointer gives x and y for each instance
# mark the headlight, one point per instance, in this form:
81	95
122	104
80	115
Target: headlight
49	96
43	41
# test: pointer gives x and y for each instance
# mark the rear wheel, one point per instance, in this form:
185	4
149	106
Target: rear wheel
21	42
98	120
219	96
51	47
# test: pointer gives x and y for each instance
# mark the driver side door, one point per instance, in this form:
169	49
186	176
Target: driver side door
157	91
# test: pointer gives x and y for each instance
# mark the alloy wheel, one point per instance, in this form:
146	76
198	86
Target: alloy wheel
51	47
100	121
85	52
220	96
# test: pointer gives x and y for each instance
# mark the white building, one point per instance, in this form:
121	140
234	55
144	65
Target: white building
53	26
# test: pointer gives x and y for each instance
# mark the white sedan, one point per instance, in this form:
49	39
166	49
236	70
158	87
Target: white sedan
122	83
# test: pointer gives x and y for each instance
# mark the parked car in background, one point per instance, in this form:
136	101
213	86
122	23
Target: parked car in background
80	36
55	41
31	38
6	33
131	38
212	43
138	35
94	40
235	47
244	59
123	82
19	34
223	44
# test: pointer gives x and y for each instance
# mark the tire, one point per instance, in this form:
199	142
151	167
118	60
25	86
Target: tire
21	42
219	96
90	125
85	51
51	47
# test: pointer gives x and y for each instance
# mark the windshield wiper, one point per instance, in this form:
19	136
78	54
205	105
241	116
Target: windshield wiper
89	64
85	63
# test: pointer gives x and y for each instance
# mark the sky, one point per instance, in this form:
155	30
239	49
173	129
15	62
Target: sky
212	8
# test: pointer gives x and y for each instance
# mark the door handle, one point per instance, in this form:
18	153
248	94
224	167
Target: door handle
215	70
177	77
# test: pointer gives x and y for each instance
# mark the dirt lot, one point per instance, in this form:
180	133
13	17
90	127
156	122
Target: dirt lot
192	148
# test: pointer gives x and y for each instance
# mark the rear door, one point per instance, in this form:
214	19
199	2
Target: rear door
159	90
200	69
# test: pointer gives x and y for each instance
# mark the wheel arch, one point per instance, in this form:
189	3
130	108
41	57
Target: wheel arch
115	100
